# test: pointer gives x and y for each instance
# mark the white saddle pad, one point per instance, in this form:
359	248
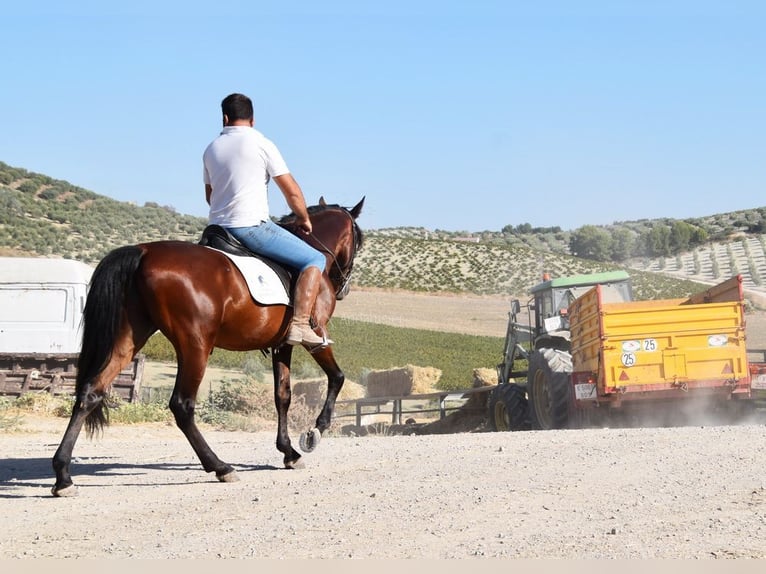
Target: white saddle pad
263	282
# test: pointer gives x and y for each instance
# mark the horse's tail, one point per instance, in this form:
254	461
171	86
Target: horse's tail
103	312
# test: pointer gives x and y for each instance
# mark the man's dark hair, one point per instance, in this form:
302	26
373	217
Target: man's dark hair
237	107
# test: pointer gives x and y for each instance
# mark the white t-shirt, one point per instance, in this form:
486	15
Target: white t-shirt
238	165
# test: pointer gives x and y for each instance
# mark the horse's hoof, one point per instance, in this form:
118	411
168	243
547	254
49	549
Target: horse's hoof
70	490
295	464
231	476
310	439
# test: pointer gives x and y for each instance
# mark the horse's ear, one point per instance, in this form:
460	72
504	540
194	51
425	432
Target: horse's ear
322	202
357	209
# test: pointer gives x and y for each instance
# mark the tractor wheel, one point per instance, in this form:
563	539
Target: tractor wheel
549	389
508	408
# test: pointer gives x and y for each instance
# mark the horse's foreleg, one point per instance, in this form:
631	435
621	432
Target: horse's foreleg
280	361
182	405
335	378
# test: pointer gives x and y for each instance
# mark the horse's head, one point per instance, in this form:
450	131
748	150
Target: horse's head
336	234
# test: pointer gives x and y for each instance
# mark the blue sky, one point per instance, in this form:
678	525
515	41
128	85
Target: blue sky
446	115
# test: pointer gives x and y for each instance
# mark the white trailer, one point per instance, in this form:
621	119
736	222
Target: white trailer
41	306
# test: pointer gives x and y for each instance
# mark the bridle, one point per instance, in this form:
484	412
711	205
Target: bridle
345	274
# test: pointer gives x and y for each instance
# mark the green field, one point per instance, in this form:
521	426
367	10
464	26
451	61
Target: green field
361	347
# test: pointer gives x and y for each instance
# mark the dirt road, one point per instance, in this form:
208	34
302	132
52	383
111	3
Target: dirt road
695	492
691	492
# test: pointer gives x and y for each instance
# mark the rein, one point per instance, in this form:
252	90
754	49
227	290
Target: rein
344	275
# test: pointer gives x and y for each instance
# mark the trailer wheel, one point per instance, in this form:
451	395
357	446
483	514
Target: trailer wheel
548	388
508	408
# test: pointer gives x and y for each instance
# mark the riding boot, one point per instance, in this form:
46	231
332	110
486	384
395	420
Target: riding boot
306	291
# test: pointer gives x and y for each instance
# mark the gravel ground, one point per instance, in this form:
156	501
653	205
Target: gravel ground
690	492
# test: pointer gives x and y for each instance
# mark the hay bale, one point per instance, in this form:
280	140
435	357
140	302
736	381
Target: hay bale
312	391
389	383
402	381
484	377
351	390
424	379
481	378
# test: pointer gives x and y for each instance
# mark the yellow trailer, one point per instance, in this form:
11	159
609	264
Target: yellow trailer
659	350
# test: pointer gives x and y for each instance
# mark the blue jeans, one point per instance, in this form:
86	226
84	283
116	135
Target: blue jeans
275	242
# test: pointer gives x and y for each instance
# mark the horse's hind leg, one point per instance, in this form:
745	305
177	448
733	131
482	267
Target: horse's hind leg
63	457
90	403
182	405
280	361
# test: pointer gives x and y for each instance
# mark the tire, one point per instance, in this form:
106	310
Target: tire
508	408
549	390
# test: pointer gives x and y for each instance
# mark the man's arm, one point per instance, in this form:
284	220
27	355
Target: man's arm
295	200
208	191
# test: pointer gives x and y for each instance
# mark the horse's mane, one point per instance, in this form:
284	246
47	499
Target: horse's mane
289	219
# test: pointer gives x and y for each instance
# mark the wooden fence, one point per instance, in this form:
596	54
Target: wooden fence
395	405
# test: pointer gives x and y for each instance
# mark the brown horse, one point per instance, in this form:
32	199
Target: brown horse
199	300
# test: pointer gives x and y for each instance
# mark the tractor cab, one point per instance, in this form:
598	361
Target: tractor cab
552	297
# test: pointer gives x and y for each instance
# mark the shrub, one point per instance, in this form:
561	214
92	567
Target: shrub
29	187
10	419
247	397
133	413
44	403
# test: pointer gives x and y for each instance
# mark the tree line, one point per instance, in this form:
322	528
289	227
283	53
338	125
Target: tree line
651	239
622	243
42	215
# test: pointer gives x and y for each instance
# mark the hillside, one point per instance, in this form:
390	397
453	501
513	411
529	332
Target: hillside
42	216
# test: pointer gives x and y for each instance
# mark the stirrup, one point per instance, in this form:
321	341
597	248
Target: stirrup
319	346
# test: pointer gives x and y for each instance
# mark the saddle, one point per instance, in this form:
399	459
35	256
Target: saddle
217	237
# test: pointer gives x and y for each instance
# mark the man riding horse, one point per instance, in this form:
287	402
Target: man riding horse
237	167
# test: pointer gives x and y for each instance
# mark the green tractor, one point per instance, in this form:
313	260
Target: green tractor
542	400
